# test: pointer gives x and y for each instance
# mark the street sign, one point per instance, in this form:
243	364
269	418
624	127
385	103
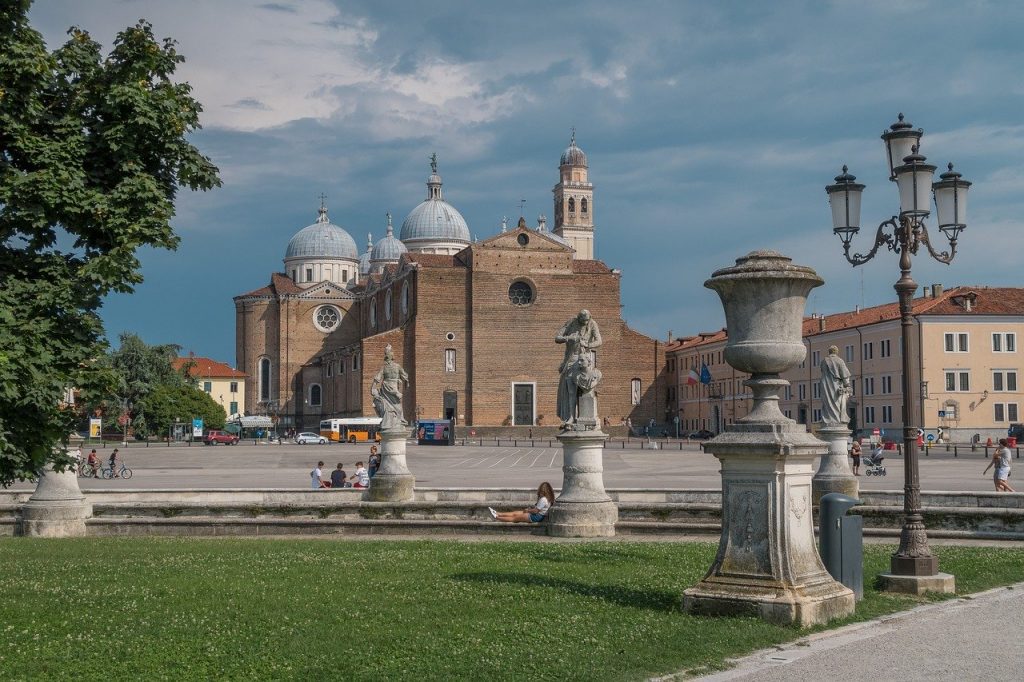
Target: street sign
931	437
942	414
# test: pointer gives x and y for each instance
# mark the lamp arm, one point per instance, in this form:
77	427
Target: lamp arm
944	256
881	237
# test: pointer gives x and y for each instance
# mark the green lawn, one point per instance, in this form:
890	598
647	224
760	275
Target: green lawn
119	609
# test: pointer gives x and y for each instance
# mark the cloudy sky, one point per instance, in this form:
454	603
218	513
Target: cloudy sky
711	130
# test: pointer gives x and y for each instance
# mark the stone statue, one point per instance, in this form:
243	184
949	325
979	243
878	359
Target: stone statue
581	336
835	388
386	392
587	378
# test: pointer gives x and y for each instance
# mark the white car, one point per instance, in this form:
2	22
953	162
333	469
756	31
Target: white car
304	438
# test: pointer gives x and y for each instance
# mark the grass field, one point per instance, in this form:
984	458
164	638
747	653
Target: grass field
119	609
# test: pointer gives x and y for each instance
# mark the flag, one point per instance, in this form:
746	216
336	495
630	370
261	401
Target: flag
705	374
693	377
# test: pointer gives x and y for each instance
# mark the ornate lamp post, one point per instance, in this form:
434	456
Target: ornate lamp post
913	567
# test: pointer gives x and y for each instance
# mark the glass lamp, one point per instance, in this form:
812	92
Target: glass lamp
914	180
844	197
951	202
900	140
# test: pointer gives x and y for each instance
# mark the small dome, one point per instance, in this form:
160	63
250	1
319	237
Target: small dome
573	155
364	258
435	218
389	249
322	240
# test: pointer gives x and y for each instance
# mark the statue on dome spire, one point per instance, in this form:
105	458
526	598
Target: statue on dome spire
322	213
433	162
391	229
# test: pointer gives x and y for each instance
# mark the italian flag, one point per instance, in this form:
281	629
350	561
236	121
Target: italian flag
693	377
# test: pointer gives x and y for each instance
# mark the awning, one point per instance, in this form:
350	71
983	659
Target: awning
255	422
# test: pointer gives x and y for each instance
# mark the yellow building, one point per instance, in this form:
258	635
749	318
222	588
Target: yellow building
224	384
965	370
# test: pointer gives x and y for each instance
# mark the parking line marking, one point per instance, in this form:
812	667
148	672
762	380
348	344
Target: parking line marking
542	453
498	462
554	453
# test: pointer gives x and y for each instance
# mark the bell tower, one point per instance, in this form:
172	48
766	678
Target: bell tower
574	202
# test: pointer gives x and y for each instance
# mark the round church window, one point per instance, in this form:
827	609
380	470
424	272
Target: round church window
326	318
520	293
523	239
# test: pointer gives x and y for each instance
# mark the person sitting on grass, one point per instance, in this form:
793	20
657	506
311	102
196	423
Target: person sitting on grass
360	479
534	514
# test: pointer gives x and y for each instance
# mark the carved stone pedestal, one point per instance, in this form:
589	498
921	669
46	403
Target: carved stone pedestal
393	482
583	509
768	563
834	474
57	509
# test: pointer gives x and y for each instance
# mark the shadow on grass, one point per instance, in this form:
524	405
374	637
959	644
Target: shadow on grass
654	600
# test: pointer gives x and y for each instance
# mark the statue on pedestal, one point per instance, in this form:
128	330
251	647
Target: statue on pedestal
581	336
835	388
386	392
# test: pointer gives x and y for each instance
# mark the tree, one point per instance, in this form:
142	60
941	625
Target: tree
167	403
140	369
92	152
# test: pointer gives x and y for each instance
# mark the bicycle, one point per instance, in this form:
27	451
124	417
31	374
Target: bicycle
85	470
124	472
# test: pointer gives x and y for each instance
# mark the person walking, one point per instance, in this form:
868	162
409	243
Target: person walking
534	514
1001	461
316	482
855	453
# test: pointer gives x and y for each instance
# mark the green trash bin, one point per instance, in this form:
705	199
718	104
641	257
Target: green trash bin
841	541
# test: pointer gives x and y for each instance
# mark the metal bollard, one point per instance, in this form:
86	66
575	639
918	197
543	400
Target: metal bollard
841	541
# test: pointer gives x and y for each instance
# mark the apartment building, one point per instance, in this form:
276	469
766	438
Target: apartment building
223	383
964	381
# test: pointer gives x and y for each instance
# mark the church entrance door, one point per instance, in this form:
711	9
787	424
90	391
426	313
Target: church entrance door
451	404
522	404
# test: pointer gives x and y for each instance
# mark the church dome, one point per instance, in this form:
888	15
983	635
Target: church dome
322	239
389	249
435	219
573	155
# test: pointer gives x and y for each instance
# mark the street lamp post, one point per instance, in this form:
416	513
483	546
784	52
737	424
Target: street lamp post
913	567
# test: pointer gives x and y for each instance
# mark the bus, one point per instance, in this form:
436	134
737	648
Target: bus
351	429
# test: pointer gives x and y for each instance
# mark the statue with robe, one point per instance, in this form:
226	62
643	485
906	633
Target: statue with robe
835	388
581	337
386	392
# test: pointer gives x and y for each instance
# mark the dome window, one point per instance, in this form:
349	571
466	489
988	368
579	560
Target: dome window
326	318
520	294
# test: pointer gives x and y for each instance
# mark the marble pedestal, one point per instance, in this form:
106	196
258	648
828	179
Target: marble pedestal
768	563
57	508
583	509
834	474
393	482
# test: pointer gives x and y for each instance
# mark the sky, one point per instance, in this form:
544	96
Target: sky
711	130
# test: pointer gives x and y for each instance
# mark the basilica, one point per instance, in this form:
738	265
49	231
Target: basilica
472	322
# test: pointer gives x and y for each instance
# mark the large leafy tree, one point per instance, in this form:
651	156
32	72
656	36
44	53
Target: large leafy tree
167	403
93	149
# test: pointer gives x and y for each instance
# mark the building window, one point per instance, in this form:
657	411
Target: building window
817	415
887	384
816	393
309	274
405	298
572	205
326	318
1004	380
848	353
234	387
207	386
387	306
887	414
869	385
789	392
520	294
314	395
634	391
355	363
330	369
885	348
801	391
449	360
373	314
869	414
958	381
1004	342
869	351
816	358
583	205
234	407
344	276
955	342
950	410
295	275
264	379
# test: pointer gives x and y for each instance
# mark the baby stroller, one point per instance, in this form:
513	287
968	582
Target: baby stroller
873	464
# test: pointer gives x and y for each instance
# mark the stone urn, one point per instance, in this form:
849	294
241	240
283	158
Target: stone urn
767	563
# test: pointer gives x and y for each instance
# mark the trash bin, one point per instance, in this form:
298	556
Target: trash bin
841	541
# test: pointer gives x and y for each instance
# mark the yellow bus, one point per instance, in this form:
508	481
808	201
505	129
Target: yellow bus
351	429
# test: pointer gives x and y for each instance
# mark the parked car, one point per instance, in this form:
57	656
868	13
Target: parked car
703	434
307	437
223	437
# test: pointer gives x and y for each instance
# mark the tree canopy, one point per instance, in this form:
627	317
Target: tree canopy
167	403
93	149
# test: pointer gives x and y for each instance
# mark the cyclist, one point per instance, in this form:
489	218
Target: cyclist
93	461
113	464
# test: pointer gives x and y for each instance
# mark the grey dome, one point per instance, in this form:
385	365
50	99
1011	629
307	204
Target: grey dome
573	155
435	218
364	258
322	240
389	249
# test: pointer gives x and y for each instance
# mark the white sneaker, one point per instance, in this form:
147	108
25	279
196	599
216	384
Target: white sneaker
494	514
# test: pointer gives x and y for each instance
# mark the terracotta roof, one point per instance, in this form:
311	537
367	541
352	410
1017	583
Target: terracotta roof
280	283
205	367
589	267
983	301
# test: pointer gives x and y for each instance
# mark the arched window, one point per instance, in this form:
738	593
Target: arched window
634	391
373	314
264	379
387	305
405	298
314	395
572	205
583	205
